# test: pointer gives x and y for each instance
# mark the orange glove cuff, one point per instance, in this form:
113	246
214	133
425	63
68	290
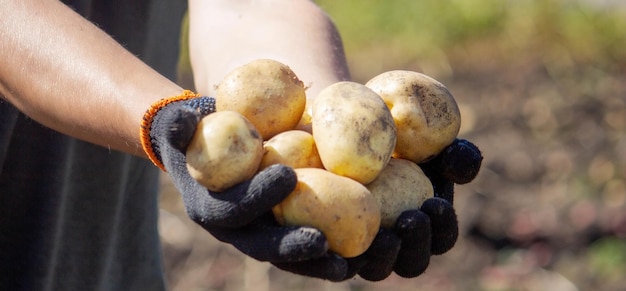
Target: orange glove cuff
148	117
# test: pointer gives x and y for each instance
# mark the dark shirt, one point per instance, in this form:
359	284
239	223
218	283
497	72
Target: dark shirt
73	215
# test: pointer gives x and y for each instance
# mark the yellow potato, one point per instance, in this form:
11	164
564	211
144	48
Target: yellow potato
305	123
341	208
266	92
426	115
293	148
353	130
401	186
225	150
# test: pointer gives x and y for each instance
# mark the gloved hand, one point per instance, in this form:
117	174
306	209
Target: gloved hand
431	230
241	215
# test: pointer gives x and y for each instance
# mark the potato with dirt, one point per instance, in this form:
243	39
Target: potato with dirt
266	92
401	186
354	131
341	208
225	150
426	114
293	148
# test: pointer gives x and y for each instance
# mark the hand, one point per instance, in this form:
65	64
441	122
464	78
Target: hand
241	215
431	230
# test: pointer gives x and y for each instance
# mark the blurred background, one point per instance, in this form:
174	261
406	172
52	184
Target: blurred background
542	89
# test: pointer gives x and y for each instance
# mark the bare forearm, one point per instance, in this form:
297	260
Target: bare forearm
227	34
67	74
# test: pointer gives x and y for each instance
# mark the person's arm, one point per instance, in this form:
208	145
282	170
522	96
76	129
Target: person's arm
225	34
64	72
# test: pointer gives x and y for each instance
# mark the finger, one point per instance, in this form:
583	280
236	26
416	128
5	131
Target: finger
458	162
181	126
242	203
264	240
330	267
380	256
461	161
444	224
414	228
354	265
177	122
443	187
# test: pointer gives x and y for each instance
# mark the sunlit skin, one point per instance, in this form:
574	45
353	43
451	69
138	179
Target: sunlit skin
97	91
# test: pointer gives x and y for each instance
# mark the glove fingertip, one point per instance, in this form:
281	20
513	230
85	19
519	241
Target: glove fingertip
278	178
381	256
461	161
414	227
302	244
182	125
330	267
245	201
375	273
444	224
411	263
267	188
413	224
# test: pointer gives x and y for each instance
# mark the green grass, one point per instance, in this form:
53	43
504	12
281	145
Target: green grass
608	258
405	31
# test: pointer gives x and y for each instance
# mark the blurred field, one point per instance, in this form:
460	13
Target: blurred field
542	88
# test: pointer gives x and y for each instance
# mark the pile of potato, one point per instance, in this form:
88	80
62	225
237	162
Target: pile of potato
355	148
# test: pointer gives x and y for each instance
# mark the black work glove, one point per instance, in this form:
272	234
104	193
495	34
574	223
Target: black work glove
431	230
241	215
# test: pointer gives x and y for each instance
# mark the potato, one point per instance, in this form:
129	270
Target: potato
266	92
401	186
341	208
225	150
353	130
305	123
293	148
426	115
